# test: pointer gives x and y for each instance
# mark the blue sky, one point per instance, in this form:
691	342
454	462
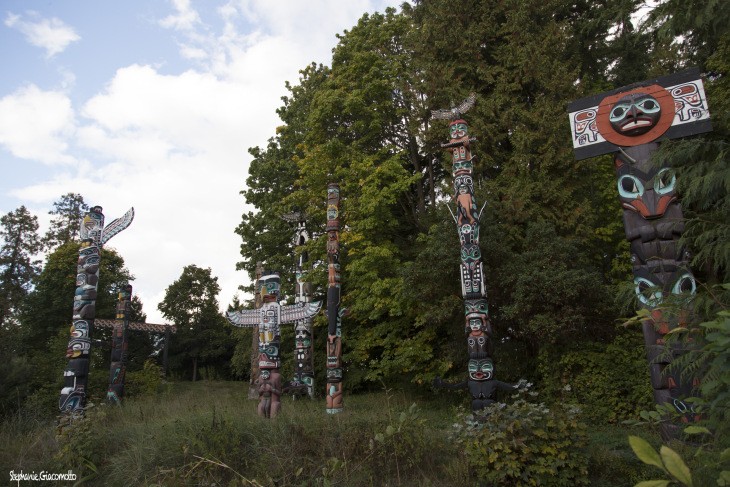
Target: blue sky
153	104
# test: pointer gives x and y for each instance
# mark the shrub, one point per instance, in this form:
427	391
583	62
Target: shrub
143	382
609	381
524	444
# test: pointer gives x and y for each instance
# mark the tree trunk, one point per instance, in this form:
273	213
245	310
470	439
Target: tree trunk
195	369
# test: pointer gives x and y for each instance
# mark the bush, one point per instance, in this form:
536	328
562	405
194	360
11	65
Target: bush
143	382
610	382
524	444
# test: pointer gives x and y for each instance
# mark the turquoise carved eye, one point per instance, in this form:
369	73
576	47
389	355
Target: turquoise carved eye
685	285
647	292
630	186
664	181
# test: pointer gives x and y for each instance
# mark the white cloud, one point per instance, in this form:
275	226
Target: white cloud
184	18
36	124
174	146
52	34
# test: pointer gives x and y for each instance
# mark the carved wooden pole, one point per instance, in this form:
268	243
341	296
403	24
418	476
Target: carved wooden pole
93	236
334	316
303	382
628	122
257	302
480	381
269	319
119	346
120	342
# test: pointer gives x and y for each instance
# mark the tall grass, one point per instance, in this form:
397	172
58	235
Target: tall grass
208	433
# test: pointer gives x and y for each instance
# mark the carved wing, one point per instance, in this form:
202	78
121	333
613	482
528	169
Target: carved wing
299	311
245	318
442	114
467	104
454	113
117	226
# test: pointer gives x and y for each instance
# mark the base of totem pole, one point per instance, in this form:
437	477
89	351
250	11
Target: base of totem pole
334	410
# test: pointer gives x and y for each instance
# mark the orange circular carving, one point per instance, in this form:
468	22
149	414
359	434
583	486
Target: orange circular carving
665	121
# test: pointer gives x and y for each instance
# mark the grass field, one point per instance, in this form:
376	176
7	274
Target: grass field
208	433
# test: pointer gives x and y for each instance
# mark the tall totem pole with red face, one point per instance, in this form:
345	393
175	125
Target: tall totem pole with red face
629	122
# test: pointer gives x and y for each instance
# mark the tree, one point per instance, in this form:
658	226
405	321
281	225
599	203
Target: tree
18	269
203	334
66	224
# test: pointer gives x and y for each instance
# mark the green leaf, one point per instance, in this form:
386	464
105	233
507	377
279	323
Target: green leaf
724	478
645	452
653	483
676	466
696	430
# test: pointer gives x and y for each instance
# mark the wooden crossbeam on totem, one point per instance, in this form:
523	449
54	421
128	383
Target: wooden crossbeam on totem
630	122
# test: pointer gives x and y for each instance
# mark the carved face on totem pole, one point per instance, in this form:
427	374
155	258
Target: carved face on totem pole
628	123
635	114
481	369
269	287
458	129
655	282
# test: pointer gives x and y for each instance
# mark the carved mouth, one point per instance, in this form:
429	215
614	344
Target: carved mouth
636	123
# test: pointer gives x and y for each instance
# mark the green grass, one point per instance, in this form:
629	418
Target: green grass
208	433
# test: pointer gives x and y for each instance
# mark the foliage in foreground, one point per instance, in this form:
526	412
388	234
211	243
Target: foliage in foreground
208	433
525	443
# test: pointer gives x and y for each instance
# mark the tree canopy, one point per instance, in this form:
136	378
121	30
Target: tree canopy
552	236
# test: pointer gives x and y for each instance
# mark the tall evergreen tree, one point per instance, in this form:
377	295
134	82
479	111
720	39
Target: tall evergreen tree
203	334
18	268
66	223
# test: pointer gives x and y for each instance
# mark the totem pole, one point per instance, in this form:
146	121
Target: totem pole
334	314
93	237
120	327
480	382
629	122
269	318
119	347
303	382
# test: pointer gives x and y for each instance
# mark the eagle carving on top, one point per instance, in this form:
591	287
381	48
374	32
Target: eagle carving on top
454	113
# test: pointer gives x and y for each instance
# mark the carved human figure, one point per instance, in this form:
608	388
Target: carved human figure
269	387
481	383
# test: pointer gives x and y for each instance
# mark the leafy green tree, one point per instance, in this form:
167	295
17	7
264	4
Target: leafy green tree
203	334
18	268
66	223
273	173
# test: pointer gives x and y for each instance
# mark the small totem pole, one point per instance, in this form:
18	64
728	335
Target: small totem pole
303	381
628	122
334	314
93	237
269	318
120	341
480	382
119	347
